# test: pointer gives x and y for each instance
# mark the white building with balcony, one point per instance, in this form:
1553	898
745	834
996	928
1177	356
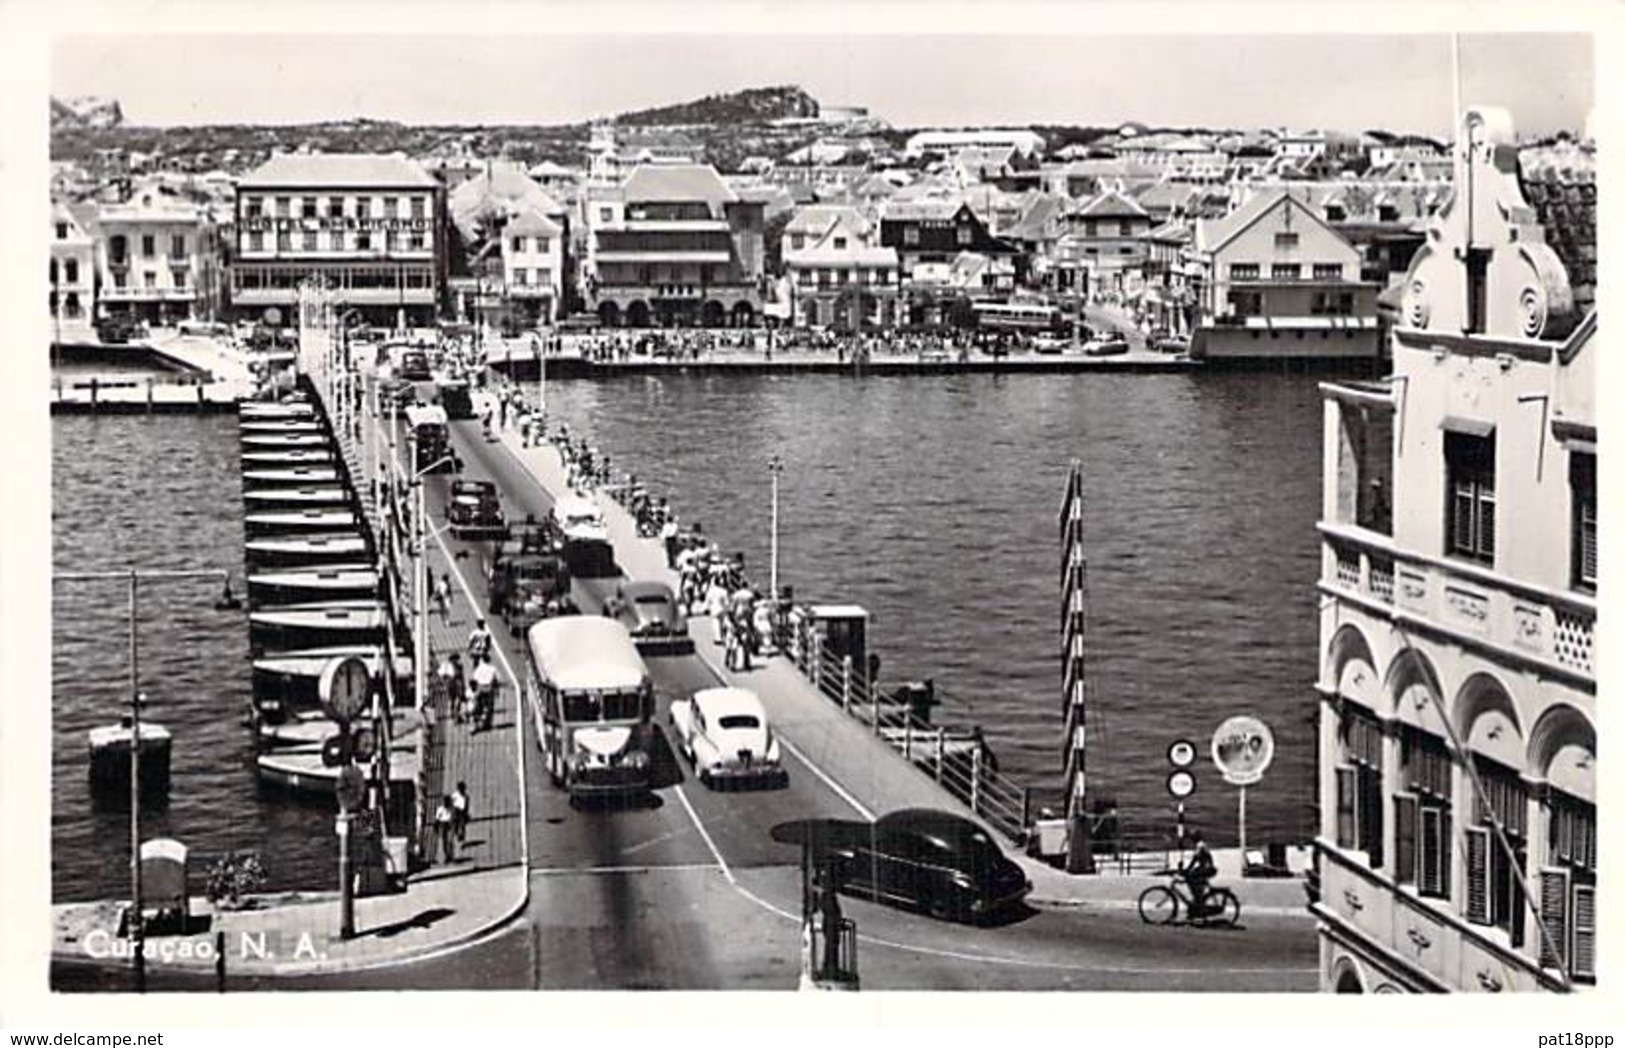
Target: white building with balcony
839	274
1278	282
154	256
372	226
73	277
1458	687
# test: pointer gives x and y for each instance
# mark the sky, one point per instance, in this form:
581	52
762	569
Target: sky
1345	81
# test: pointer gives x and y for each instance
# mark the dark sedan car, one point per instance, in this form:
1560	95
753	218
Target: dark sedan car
474	509
934	861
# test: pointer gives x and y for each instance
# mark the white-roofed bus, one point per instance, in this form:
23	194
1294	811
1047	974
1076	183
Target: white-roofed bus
592	702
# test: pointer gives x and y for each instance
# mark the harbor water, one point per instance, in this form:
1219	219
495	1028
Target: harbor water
159	493
930	500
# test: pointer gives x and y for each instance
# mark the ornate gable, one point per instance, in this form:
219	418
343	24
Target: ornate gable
1486	268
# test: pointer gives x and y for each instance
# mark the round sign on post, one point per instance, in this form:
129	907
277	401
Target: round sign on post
1181	753
1242	750
336	751
345	689
1181	784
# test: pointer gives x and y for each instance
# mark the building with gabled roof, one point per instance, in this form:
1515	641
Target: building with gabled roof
1457	692
1280	283
839	275
72	275
674	245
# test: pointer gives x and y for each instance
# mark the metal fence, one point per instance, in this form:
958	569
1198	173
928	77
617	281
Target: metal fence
956	758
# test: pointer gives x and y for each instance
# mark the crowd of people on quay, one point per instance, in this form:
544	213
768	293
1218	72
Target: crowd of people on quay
710	582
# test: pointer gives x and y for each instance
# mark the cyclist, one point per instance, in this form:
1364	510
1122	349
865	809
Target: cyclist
1198	874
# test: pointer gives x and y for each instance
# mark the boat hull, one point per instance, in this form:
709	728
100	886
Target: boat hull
292	627
306	550
286	497
291	476
267	457
298	521
341	582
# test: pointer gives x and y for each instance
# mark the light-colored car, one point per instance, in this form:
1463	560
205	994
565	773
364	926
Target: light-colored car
1109	346
650	613
724	734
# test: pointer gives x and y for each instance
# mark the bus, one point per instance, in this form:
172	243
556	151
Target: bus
1032	317
428	426
593	705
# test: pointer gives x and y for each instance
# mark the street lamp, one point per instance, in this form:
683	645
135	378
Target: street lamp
133	576
775	469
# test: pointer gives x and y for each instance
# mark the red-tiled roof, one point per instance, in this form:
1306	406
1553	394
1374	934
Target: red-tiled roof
339	170
1561	185
677	183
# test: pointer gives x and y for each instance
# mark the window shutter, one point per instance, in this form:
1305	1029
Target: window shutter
1435	833
1478	875
1345	807
1584	962
1405	839
1554	914
1486	522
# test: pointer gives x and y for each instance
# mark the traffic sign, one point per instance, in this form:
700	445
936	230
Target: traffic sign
352	787
1242	749
336	751
1181	784
1181	753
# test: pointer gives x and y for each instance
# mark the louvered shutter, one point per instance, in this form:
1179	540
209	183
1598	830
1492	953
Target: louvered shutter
1584	962
1405	840
1345	808
1435	851
1554	914
1478	875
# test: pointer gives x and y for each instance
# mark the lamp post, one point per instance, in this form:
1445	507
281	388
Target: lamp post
133	577
775	469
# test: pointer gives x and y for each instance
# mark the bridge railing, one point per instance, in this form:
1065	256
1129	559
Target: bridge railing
957	758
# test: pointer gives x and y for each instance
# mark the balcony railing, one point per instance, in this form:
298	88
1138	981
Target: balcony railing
1551	629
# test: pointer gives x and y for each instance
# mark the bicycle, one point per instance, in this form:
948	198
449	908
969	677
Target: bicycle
1161	904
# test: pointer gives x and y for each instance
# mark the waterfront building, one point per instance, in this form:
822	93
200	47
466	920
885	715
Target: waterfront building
1278	283
840	275
949	143
1168	299
674	245
73	275
1109	233
1458	837
533	267
372	226
154	256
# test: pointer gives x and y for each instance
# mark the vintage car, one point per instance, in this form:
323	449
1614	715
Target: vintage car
586	539
474	510
935	861
724	734
527	576
649	612
528	587
1110	346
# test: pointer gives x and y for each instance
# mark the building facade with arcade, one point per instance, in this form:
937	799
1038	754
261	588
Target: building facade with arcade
371	226
1457	687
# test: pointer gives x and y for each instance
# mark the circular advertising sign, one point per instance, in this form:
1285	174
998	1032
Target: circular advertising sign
1181	784
1181	753
1242	749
